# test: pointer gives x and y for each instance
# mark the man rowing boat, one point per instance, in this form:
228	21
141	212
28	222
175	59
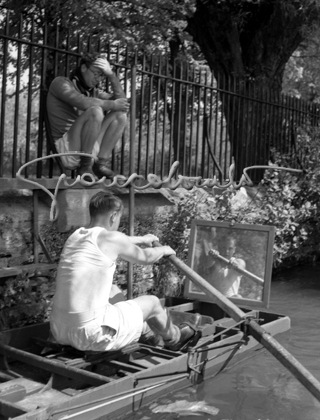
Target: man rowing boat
82	314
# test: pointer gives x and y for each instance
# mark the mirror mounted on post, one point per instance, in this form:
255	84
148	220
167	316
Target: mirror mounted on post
236	259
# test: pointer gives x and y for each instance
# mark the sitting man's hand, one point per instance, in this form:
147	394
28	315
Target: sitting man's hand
121	104
103	65
149	239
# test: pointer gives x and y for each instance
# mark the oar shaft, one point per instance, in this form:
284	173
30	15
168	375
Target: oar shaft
238	269
286	359
230	308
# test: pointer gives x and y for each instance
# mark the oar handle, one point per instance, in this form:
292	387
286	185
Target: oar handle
230	308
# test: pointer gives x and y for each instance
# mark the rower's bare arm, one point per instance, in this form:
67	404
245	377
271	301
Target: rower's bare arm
146	240
117	244
133	253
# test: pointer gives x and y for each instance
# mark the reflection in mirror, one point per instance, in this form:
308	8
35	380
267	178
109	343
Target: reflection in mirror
236	260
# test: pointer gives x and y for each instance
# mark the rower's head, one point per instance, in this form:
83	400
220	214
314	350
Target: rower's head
105	210
228	247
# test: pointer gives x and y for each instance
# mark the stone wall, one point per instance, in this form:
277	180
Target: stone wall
16	226
16	218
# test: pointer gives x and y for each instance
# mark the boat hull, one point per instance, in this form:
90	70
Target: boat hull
64	384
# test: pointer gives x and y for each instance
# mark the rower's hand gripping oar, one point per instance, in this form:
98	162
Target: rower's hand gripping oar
262	336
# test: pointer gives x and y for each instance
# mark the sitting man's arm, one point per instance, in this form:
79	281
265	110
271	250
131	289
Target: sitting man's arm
103	64
64	89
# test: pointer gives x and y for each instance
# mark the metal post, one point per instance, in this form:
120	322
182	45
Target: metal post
131	166
35	225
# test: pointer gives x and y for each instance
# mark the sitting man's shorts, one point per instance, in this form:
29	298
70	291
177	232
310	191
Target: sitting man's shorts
72	161
109	328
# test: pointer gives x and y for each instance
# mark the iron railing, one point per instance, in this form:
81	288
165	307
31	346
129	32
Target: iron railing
178	112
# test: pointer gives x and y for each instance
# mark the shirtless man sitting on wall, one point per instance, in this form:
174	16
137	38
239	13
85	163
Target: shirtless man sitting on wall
82	315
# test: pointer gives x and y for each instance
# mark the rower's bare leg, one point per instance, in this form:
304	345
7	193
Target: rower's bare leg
157	319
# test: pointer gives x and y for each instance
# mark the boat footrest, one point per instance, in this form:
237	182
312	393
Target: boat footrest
179	317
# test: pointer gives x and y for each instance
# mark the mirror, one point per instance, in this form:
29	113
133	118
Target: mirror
235	259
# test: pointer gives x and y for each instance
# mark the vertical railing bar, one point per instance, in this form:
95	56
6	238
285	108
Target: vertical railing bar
262	138
258	143
212	139
125	89
273	137
149	116
17	105
164	126
216	121
298	105
186	91
292	130
283	124
205	128
253	127
231	131
131	168
155	146
29	102
254	123
222	129
3	96
198	122
55	73
178	114
41	104
142	93
191	121
240	105
173	90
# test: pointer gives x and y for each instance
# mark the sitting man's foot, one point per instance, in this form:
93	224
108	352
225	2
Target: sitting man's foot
85	169
87	174
101	170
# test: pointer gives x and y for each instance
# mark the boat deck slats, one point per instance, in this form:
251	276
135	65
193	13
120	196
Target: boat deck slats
53	366
125	366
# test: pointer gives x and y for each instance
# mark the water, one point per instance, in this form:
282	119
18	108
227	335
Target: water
261	388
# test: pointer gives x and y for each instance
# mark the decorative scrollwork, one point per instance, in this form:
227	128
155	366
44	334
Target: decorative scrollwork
153	181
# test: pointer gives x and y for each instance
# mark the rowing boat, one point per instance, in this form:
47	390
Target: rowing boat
41	380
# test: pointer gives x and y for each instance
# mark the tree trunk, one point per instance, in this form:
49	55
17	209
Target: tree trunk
252	41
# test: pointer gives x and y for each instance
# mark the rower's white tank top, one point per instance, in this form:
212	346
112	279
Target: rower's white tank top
85	274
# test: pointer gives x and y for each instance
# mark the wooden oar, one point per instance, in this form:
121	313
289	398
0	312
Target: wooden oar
214	254
262	336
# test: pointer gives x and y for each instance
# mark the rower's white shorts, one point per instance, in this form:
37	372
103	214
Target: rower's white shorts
71	161
111	328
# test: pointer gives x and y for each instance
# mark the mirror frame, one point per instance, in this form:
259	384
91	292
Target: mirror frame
191	293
